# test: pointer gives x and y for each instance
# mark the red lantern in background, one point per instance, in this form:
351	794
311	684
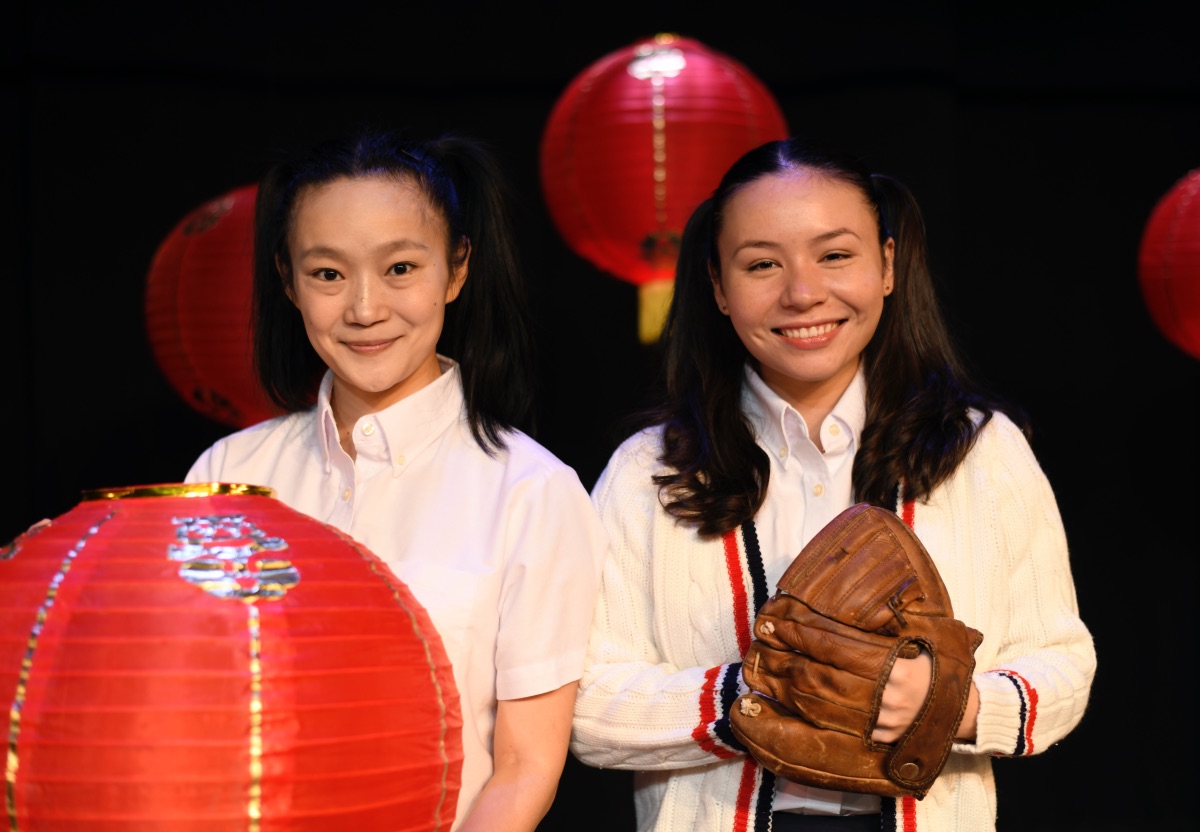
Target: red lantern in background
206	658
635	143
198	310
1169	264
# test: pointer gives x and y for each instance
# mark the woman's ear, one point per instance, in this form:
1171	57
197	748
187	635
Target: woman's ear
285	278
458	270
718	292
889	259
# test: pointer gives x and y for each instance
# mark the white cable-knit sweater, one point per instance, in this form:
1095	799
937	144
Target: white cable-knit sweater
675	610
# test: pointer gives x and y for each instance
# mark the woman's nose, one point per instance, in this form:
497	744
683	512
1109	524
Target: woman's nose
802	288
366	302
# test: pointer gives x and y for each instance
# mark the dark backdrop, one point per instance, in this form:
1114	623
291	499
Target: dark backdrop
1038	142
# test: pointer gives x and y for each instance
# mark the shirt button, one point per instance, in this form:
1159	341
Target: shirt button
401	459
818	489
346	494
368	428
783	453
834	430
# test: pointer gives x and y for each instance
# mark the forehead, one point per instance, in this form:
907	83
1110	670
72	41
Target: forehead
797	201
351	201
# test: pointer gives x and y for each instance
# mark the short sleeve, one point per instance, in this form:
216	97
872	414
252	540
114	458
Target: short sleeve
555	550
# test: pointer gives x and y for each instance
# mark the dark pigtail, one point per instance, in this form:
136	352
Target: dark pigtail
487	327
718	474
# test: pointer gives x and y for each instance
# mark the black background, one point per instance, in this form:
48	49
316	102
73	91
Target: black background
1038	140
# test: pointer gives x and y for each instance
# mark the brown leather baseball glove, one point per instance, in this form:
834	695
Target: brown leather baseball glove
861	594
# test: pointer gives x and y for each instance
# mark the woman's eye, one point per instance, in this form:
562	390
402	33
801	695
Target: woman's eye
326	274
762	265
836	255
400	268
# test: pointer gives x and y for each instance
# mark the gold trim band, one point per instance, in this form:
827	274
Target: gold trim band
197	489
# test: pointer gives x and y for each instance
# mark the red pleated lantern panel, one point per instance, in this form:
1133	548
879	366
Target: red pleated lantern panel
636	142
197	310
1169	264
203	659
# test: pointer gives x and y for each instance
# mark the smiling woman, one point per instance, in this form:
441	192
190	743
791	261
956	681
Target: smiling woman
802	278
359	248
371	276
807	368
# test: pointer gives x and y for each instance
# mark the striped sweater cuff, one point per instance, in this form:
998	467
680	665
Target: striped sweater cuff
722	685
1008	713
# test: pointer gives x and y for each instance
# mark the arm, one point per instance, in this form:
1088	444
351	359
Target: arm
663	663
1031	687
530	748
1035	668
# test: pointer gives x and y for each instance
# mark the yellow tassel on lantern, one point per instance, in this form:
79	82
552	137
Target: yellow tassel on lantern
654	300
635	142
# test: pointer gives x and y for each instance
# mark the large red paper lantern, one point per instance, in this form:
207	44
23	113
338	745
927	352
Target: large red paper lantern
206	658
635	143
1169	264
197	309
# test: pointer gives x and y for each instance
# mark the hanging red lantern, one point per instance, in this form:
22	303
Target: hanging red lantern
1169	264
635	143
197	309
206	658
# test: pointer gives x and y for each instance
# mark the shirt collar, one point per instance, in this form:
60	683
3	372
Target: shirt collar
407	427
777	424
327	435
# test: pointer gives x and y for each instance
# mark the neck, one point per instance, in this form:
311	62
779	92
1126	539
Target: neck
814	400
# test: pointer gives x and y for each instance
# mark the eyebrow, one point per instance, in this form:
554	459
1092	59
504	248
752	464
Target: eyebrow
756	244
837	232
385	248
820	238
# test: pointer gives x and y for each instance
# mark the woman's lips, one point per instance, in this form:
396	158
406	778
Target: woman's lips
369	347
805	332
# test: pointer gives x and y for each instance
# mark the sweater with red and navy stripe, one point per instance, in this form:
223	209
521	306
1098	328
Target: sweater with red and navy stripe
674	617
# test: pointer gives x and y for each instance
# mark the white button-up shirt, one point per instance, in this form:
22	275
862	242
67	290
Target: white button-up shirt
504	552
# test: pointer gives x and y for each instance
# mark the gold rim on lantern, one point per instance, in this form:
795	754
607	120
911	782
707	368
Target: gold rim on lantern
197	489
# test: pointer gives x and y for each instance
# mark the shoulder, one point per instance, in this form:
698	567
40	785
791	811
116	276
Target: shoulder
524	456
631	468
535	490
1000	443
1000	427
637	456
240	454
1001	467
278	431
523	471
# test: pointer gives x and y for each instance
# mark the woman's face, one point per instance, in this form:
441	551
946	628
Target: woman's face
371	278
802	278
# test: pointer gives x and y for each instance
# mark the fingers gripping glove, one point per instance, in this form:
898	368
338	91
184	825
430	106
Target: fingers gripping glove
861	594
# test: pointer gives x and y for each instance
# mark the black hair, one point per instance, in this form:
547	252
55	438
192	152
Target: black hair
918	392
486	328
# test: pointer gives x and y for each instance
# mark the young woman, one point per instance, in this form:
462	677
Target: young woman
806	368
360	249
